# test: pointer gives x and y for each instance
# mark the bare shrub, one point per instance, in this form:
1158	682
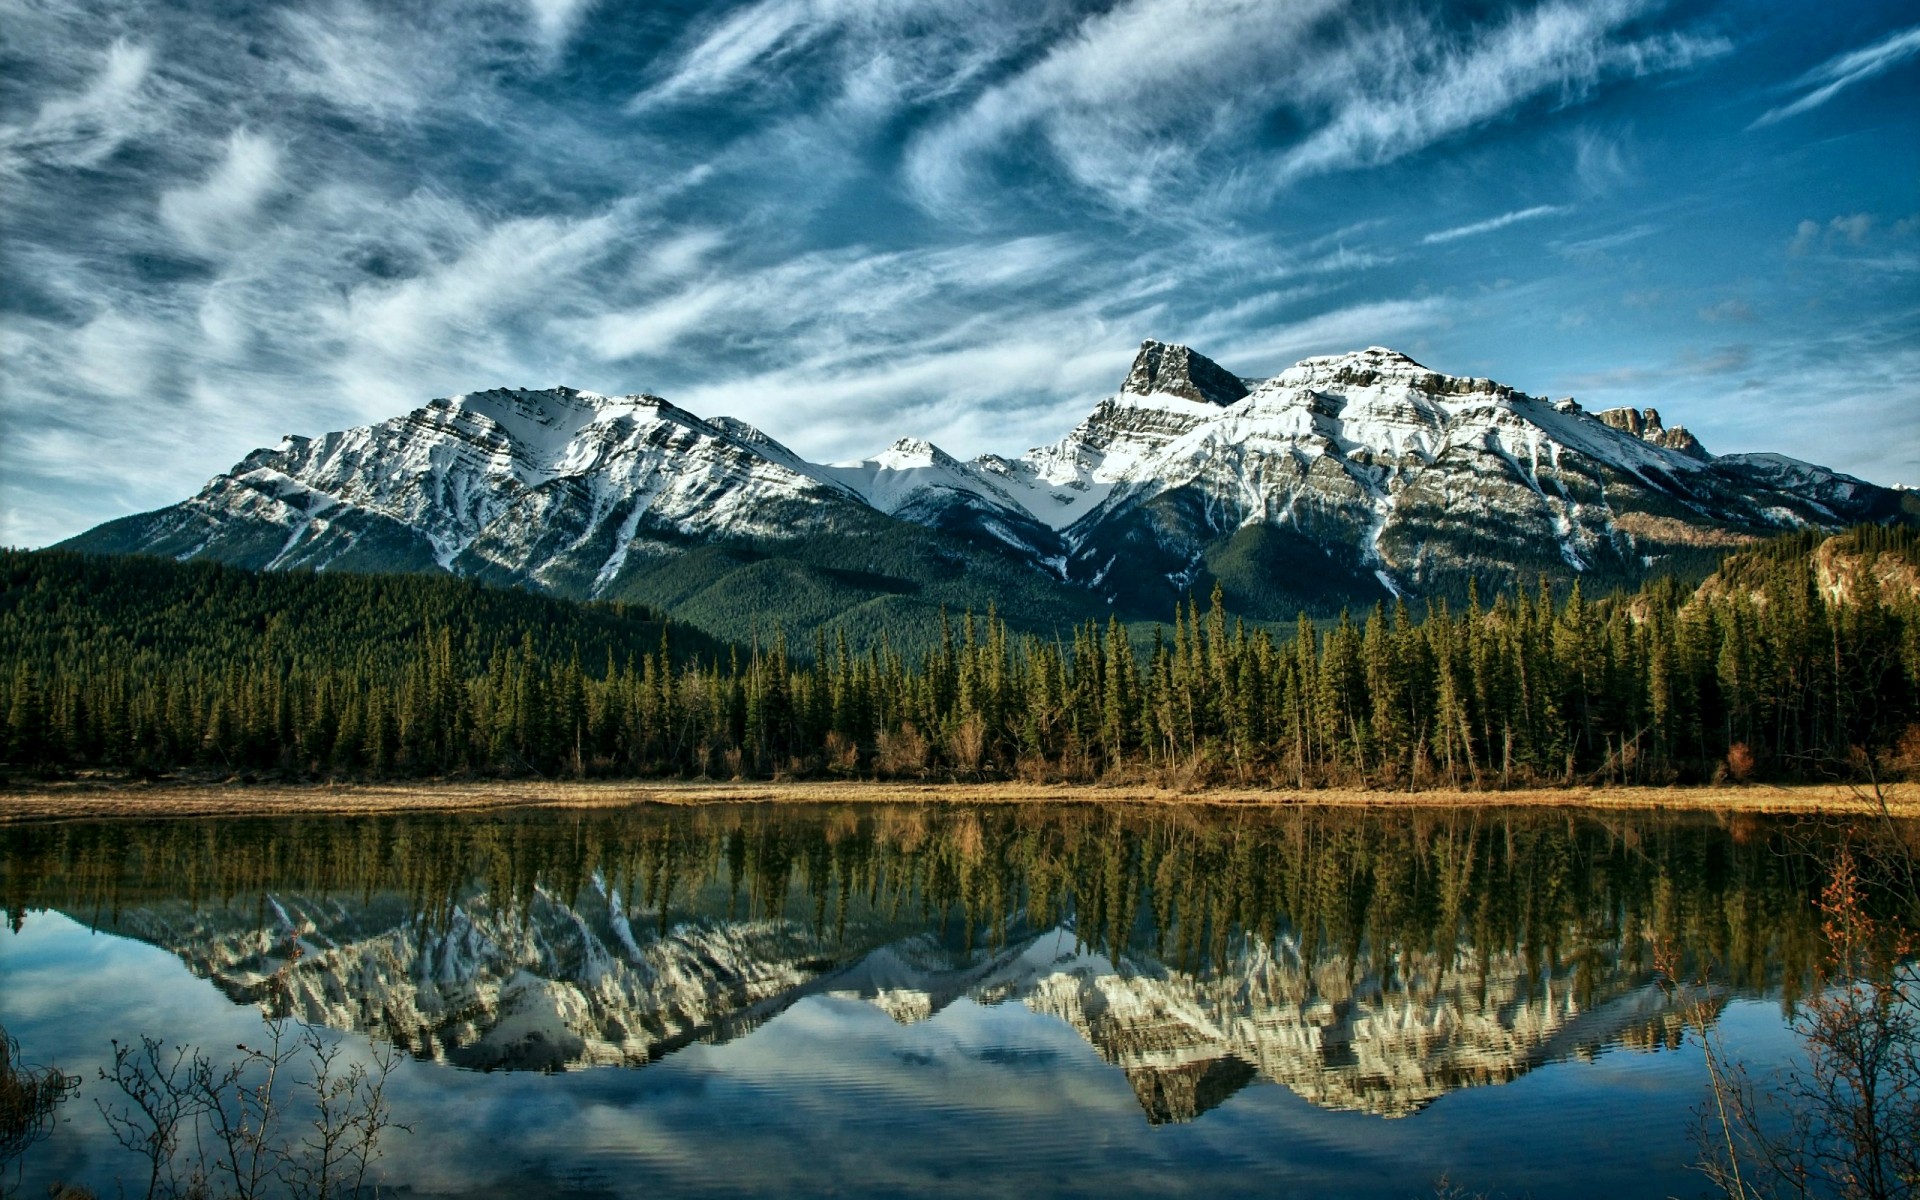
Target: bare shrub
901	752
1847	1123
1906	752
1740	762
289	1117
1034	768
967	744
843	754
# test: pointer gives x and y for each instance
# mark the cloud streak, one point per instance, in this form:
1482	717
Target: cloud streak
1842	71
1490	225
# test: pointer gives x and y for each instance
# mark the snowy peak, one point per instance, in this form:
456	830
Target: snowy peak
1380	367
908	453
558	487
1161	369
919	481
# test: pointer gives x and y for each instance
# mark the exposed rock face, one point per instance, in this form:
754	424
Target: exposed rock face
1342	480
1160	369
1842	569
1644	423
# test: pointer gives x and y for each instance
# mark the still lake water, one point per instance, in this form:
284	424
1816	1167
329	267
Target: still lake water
895	1000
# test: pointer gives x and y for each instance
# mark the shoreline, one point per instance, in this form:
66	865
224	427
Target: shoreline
93	801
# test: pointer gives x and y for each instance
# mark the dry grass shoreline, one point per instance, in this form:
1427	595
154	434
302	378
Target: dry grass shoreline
93	800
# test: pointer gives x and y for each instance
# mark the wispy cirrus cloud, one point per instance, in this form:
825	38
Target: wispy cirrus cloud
209	214
1134	97
1492	223
1842	71
80	128
885	52
1414	85
1155	92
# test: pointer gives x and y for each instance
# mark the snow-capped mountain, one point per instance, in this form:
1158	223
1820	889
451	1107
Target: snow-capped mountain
1341	480
1377	475
558	488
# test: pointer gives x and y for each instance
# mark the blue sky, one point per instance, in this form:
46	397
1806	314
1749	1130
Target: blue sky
852	220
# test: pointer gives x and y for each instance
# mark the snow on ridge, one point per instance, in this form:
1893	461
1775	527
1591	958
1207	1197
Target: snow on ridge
912	471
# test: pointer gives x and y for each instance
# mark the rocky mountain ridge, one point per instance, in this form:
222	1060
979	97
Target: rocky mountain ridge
1341	480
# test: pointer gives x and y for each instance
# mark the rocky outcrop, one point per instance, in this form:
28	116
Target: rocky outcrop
1163	370
1644	423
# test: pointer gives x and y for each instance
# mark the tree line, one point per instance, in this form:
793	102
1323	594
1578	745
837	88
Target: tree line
1768	671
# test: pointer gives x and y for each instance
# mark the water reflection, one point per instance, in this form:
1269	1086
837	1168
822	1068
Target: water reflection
1365	961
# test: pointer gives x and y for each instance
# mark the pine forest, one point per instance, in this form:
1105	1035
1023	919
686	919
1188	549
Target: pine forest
1798	660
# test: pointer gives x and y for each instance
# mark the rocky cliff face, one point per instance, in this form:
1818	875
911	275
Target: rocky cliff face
589	983
1341	480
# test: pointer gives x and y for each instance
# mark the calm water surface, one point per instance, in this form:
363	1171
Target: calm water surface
880	1001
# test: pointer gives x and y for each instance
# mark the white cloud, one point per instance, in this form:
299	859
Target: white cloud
1127	102
1854	228
119	355
1842	71
880	53
81	130
739	43
1851	229
349	57
555	20
1603	243
1493	223
1156	96
1602	161
655	328
849	301
1413	86
213	215
451	312
1730	310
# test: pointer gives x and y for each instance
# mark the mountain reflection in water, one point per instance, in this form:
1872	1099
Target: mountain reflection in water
1365	961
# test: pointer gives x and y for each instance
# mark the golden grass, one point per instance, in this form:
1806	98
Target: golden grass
72	801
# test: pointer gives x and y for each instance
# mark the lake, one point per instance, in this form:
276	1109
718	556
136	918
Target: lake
885	1000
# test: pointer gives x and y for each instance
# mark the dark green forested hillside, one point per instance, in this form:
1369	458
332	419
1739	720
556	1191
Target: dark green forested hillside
122	660
877	578
1762	673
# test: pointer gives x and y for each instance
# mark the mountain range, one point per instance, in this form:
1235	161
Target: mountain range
1341	481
